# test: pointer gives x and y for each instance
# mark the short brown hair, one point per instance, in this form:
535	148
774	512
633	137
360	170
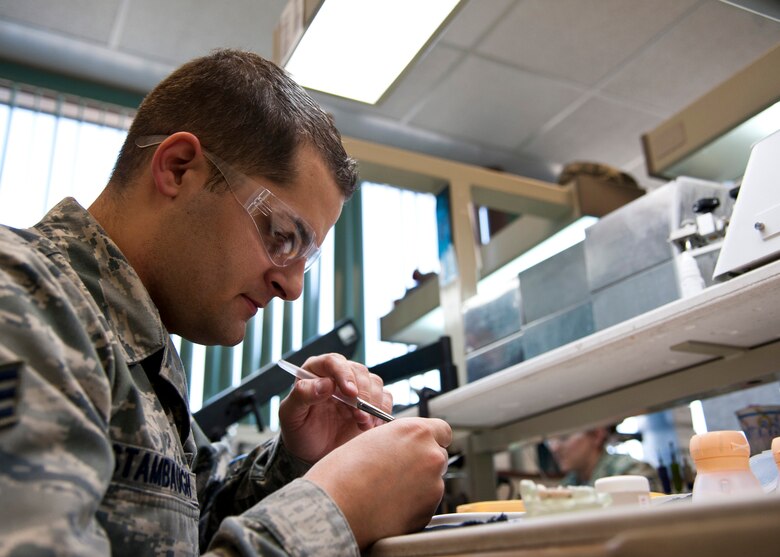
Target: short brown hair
246	110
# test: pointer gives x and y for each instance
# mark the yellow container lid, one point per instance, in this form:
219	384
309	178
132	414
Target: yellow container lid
499	506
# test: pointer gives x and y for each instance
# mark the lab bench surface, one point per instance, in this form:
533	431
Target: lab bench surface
675	529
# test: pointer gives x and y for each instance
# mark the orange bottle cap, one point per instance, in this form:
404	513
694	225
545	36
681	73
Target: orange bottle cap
721	449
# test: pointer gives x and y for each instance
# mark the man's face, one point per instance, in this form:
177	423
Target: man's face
216	272
573	452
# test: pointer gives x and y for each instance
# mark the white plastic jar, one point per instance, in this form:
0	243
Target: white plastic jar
625	490
776	455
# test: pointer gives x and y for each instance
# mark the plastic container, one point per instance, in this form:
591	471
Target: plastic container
625	490
764	468
723	467
691	281
776	454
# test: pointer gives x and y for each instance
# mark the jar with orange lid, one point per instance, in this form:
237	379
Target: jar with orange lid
722	467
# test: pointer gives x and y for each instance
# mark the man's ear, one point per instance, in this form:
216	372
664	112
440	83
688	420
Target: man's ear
177	163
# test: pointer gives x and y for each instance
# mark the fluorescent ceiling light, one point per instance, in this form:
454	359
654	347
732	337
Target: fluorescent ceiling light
767	8
358	48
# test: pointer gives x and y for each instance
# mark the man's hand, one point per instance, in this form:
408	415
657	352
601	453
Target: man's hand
313	423
387	481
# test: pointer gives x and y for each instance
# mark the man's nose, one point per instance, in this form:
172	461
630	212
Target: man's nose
287	282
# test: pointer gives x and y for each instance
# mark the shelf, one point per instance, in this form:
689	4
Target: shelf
417	318
726	335
466	186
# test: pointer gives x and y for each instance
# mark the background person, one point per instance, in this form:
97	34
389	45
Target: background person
583	458
228	182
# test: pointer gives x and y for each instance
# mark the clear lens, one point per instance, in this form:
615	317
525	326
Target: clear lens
286	237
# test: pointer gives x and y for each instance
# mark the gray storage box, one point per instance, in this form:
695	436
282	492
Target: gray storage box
491	359
567	326
634	296
635	237
556	284
487	319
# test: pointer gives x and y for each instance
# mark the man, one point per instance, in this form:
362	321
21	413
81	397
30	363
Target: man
583	457
224	190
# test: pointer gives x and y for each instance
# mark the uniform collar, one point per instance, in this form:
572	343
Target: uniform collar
107	274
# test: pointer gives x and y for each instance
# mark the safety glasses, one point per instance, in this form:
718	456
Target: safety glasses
286	237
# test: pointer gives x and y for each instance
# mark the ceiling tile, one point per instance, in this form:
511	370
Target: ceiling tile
184	29
418	81
472	21
580	40
704	49
598	131
89	19
493	104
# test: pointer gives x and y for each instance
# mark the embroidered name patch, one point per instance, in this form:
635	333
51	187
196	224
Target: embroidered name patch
149	469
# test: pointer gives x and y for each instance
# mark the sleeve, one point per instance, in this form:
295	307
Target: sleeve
55	456
300	518
620	464
256	493
639	468
229	487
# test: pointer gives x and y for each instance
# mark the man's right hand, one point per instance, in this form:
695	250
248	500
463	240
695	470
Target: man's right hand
388	480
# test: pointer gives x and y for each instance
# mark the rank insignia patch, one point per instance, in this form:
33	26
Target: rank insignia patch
9	385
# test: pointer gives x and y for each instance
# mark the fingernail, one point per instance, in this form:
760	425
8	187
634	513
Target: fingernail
352	386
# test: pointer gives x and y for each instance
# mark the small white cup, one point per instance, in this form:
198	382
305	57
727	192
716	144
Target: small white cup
625	490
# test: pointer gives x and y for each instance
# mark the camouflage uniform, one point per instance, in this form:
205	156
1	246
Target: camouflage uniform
618	465
96	449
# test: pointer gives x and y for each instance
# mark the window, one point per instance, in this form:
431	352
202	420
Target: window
52	146
399	237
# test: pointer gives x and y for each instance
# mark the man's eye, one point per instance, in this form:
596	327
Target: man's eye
285	240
